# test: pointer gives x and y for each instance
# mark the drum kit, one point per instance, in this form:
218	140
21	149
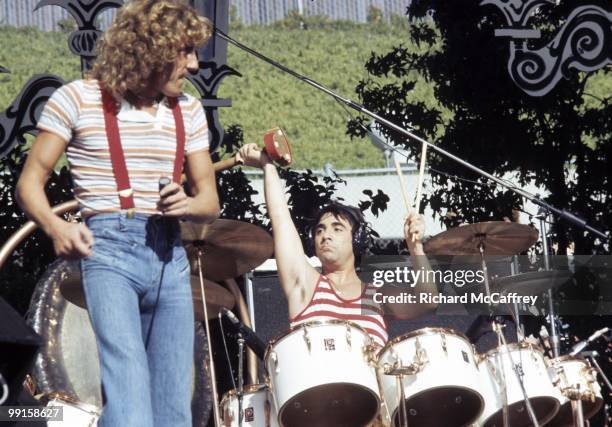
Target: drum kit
331	374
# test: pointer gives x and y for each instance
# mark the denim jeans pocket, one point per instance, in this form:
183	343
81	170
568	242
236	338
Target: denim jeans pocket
113	248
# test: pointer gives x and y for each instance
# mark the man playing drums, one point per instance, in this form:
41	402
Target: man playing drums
338	236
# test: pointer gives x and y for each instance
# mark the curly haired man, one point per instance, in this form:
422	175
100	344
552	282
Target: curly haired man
122	129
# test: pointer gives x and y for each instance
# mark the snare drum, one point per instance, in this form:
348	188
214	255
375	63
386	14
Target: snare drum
258	408
440	378
538	386
74	413
321	375
572	374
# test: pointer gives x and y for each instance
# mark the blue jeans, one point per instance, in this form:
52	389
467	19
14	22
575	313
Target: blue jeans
142	319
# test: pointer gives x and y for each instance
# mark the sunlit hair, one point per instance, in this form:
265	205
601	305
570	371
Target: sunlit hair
144	41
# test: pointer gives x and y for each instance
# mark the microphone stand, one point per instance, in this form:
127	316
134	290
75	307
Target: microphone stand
361	109
240	391
554	334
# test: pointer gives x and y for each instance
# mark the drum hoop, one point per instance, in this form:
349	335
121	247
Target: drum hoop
303	325
248	389
424	331
513	346
63	397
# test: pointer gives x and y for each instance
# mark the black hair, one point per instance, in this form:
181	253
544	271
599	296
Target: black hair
354	216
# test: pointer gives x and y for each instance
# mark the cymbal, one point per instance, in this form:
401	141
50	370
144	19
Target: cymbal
216	298
216	295
533	282
229	248
498	237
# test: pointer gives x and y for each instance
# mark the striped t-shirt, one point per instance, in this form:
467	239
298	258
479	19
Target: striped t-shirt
74	112
326	304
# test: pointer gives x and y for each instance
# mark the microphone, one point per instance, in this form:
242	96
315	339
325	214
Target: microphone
578	347
250	338
163	181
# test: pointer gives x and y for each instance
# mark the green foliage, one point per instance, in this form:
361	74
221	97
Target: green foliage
315	124
331	52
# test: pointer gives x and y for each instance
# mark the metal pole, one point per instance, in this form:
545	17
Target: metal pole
240	377
554	334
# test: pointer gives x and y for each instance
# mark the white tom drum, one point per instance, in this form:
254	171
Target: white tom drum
74	413
440	379
576	378
321	374
496	368
257	407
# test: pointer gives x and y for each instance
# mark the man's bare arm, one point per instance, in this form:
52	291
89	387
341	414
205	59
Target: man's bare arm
298	278
70	240
203	206
414	228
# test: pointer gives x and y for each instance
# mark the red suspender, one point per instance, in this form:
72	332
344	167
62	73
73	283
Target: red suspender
179	158
126	194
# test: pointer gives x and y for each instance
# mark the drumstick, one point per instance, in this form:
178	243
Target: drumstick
420	182
403	187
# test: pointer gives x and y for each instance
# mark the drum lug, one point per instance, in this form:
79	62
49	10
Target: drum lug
274	358
307	340
349	337
369	353
443	336
561	379
420	357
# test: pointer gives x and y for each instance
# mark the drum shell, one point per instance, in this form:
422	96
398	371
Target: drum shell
576	372
292	367
74	414
451	363
536	380
258	398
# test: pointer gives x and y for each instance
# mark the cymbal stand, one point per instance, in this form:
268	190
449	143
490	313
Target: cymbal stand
403	412
554	334
240	391
497	328
213	376
515	368
593	355
520	333
577	413
481	249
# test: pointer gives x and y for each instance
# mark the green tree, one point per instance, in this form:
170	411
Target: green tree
560	141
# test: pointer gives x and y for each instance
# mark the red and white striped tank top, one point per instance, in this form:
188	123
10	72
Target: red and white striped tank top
326	304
